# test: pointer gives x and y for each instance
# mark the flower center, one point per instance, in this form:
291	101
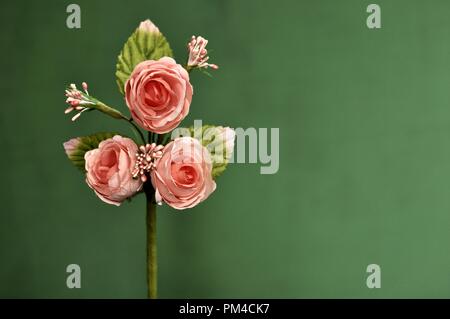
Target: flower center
107	164
155	93
183	174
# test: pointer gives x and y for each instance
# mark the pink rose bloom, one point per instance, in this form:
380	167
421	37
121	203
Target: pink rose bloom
158	94
108	170
182	176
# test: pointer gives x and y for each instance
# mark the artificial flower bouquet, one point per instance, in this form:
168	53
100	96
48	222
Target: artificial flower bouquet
171	165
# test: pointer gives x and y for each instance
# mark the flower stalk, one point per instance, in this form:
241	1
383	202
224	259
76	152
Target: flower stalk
152	262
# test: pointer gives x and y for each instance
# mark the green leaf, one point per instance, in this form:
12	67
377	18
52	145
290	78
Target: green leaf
75	148
220	143
141	45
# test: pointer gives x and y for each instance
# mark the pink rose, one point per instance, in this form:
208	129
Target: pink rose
158	94
182	176
109	170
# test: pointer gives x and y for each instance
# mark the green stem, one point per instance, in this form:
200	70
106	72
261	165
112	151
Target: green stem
136	129
102	107
152	265
166	139
160	139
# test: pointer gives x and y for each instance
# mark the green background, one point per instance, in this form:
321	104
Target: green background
364	118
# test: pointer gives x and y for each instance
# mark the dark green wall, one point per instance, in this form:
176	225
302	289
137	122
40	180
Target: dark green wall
364	118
